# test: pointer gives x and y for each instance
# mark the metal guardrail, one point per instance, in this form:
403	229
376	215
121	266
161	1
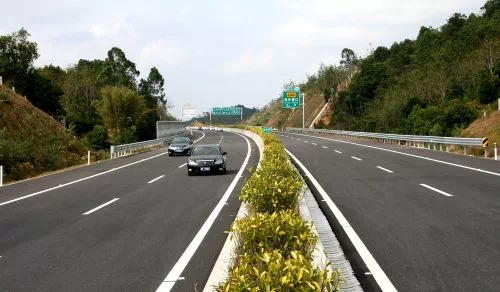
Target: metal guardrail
413	140
127	149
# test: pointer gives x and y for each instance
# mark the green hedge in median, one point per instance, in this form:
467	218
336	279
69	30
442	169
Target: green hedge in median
274	245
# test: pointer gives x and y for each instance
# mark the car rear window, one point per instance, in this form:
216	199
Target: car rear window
206	151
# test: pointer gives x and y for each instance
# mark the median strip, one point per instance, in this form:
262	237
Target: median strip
100	206
436	190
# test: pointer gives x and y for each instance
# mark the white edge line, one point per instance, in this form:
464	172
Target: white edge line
379	275
181	166
155	179
406	154
86	178
385	169
436	190
100	206
354	157
174	274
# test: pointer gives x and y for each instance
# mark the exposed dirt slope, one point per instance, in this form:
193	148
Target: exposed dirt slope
31	141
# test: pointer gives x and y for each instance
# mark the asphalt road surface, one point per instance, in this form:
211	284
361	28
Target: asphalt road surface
119	225
430	219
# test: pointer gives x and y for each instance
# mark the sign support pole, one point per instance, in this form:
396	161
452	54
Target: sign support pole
303	112
210	119
241	113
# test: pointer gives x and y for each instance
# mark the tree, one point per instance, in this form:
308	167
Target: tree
153	91
349	58
490	8
80	95
117	70
44	94
120	109
17	55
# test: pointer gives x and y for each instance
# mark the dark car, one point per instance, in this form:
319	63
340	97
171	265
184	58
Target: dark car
179	146
207	159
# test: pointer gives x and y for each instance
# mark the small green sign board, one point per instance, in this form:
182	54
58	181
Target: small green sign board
291	98
268	129
226	111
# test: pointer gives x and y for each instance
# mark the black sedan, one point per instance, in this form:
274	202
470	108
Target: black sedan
179	146
207	159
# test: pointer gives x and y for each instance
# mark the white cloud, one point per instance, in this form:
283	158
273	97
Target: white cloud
249	61
161	51
115	29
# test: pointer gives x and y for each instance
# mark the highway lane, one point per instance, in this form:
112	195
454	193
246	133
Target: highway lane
47	243
424	239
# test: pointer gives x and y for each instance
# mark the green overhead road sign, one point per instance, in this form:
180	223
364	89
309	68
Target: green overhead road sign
291	99
268	129
226	111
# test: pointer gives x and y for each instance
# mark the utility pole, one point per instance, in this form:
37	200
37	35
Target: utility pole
303	112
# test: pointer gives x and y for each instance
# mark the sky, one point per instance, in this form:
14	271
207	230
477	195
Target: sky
222	53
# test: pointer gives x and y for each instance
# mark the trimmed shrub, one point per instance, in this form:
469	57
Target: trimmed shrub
284	230
274	272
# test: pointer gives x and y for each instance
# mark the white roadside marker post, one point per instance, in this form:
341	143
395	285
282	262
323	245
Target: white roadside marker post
88	157
496	157
1	175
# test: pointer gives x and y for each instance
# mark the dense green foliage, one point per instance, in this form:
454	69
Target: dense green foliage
75	94
433	85
274	245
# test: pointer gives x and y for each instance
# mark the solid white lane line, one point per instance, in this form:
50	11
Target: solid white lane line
298	139
378	274
324	147
338	151
358	159
436	190
181	166
100	206
86	178
314	144
155	179
174	274
406	154
306	141
203	136
385	169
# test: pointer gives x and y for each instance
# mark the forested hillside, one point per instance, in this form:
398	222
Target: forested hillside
88	105
437	84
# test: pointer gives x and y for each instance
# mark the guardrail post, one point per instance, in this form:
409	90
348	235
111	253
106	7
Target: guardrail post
1	82
440	147
447	148
88	157
496	157
485	152
112	151
1	174
465	150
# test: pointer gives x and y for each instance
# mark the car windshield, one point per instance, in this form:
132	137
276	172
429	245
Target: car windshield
206	151
180	140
